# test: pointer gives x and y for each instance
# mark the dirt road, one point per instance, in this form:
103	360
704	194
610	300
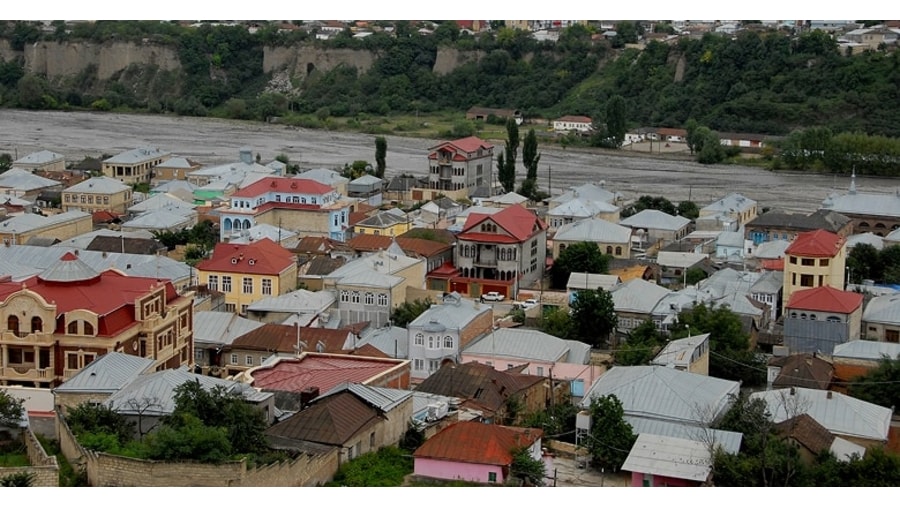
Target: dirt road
212	141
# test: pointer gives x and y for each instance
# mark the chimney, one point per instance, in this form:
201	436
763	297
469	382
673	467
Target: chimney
246	155
828	395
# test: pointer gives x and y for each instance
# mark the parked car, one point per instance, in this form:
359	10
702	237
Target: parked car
524	305
492	296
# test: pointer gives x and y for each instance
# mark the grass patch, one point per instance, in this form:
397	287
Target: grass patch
385	468
68	476
14	460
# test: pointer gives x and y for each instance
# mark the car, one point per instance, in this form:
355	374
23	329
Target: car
492	296
529	303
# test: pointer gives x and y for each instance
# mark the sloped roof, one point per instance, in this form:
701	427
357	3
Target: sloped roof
518	221
866	238
391	341
821	219
729	440
452	314
384	399
163	202
816	438
574	119
853	203
637	296
770	282
664	456
331	421
476	442
129	245
592	281
479	385
319	370
825	299
728	204
802	370
381	220
683	260
296	185
469	144
160	219
659	392
839	413
518	343
24	180
771	249
38	157
136	155
69	268
864	349
99	185
818	243
28	222
594	230
221	327
655	219
261	257
300	300
582	208
678	352
510	198
106	374
589	191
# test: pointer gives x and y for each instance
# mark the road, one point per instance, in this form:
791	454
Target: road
213	141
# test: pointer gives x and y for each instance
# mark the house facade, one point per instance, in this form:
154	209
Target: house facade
462	164
246	273
57	322
869	212
19	230
305	206
777	224
815	259
98	194
881	319
573	123
43	160
729	213
134	166
611	239
815	320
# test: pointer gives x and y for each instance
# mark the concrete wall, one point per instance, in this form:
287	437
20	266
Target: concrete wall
450	470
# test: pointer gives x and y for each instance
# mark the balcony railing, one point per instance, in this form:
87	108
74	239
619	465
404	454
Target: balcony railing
13	372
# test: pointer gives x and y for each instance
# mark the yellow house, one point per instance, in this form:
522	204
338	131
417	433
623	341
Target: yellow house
815	259
134	166
248	273
98	194
391	223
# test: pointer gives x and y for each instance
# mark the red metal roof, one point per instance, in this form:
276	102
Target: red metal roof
320	370
818	243
283	185
518	221
467	144
825	299
267	256
476	442
773	264
575	119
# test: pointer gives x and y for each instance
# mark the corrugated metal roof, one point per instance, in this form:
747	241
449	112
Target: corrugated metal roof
839	413
392	341
591	281
886	205
863	349
152	266
451	314
68	269
729	440
221	327
518	343
162	201
326	176
99	185
669	457
883	309
136	155
510	198
380	262
38	157
867	238
681	260
28	222
23	180
731	203
108	373
665	393
769	283
678	352
771	249
594	230
637	296
300	300
162	219
384	399
654	219
582	208
587	191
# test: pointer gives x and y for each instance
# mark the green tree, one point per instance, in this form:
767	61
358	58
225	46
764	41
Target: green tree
12	409
695	275
530	156
611	437
593	316
186	437
408	311
691	127
688	209
526	468
709	147
557	323
864	262
583	257
88	420
641	346
615	120
380	154
17	480
507	172
881	385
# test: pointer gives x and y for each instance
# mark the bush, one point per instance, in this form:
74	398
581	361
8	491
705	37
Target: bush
385	468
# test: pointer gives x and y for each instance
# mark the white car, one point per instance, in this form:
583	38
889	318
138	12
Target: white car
492	296
528	303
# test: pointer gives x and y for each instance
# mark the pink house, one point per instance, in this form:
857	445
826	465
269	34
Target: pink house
657	460
475	452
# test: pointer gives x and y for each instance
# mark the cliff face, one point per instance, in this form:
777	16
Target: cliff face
60	59
299	61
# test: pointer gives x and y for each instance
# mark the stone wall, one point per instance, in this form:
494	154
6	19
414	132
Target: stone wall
44	469
59	59
306	470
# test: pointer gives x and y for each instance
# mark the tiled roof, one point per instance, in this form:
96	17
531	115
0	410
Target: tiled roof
467	144
282	338
825	299
575	119
319	370
802	370
818	243
332	420
518	221
283	185
313	244
809	433
323	266
373	243
476	442
263	257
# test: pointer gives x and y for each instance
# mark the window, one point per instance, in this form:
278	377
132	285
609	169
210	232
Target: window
823	262
248	360
345	296
382	300
72	328
807	262
372	440
229	307
892	336
12	324
418	364
267	287
448	342
248	285
199	355
226	283
370	298
244	309
618	250
431	342
793	260
354	296
433	365
540	371
233	358
420	339
212	281
806	280
492	476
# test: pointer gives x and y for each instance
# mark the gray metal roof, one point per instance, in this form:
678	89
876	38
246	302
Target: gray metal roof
587	191
366	179
68	270
886	205
99	185
659	392
384	399
519	343
221	328
579	352
260	231
731	238
379	262
383	219
664	456
176	163
867	238
637	296
838	413
393	341
582	208
300	300
17	272
39	157
24	180
732	202
654	219
161	219
678	352
136	155
106	374
592	281
729	440
769	283
771	249
370	278
28	222
883	309
453	315
510	198
681	260
594	230
421	400
173	185
864	349
324	176
163	202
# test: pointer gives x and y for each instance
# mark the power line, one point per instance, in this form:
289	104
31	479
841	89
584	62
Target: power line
791	377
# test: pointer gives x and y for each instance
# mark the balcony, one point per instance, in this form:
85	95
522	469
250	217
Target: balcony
26	373
436	353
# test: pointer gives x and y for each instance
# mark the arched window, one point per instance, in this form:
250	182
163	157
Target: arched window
812	316
609	250
370	298
227	224
802	316
247	224
237	225
618	250
12	324
37	325
382	299
420	339
88	329
72	328
833	319
448	342
793	315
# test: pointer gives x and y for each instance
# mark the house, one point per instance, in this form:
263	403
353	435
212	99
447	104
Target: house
390	223
43	160
161	221
729	213
589	192
565	362
581	208
435	253
248	273
799	370
611	239
654	227
232	172
370	287
100	379
121	244
575	123
503	201
309	307
162	202
312	373
634	302
280	236
134	166
866	238
354	418
21	229
462	164
777	224
731	246
367	189
174	169
860	422
812	439
815	259
311	247
500	252
58	321
590	281
436	214
881	319
663	461
815	320
859	357
674	266
868	212
400	188
689	354
390	341
305	206
475	452
99	193
213	330
21	183
441	332
487	391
